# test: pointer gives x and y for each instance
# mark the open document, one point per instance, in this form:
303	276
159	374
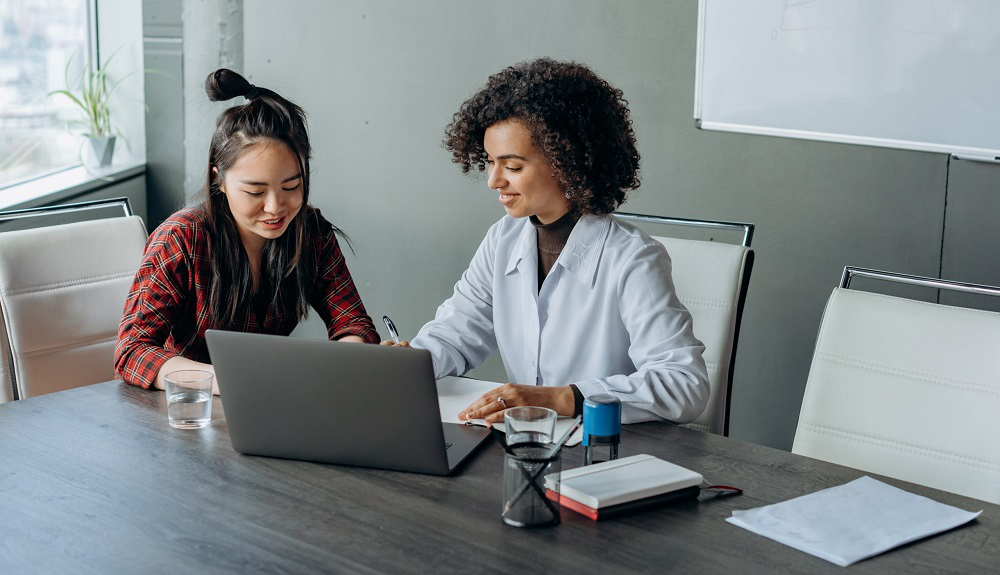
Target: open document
456	393
851	522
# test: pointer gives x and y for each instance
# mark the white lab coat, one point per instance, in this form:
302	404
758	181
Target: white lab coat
606	319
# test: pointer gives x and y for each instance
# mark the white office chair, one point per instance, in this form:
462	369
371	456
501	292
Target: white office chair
906	389
6	383
62	293
711	280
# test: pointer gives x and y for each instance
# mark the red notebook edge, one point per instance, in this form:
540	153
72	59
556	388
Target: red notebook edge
627	507
572	505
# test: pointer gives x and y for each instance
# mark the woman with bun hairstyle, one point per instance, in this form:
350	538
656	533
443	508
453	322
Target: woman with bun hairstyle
577	302
252	257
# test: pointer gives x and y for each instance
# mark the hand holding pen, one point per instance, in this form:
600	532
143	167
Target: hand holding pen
393	334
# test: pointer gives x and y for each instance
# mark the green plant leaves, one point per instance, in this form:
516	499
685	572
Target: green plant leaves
91	94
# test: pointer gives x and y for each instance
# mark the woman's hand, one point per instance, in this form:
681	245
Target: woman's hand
178	363
390	343
558	399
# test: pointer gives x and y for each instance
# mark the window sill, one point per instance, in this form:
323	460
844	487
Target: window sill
64	185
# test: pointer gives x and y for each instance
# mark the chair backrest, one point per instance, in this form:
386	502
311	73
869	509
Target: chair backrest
711	280
6	382
906	389
62	293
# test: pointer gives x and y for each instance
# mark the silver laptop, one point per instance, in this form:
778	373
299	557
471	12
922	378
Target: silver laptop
333	402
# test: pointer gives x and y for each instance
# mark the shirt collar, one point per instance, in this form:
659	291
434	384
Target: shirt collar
581	254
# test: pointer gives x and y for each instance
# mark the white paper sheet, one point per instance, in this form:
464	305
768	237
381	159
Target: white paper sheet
851	522
456	393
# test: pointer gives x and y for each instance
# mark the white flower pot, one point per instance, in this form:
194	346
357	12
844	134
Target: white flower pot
102	150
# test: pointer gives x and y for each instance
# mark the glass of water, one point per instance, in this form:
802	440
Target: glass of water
189	398
529	424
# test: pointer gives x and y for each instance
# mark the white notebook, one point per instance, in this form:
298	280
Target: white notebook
457	393
623	480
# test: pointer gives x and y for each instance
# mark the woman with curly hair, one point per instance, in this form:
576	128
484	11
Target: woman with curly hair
578	302
252	257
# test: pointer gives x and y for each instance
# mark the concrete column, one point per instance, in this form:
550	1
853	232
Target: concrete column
184	40
213	38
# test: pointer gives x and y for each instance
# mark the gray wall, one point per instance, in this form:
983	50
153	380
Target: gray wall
184	40
381	79
163	44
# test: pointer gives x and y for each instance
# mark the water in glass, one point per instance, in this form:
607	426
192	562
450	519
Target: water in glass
190	409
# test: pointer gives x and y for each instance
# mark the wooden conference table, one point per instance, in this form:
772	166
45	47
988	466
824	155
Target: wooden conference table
93	480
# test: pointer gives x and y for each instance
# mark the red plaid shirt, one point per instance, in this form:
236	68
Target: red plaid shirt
167	310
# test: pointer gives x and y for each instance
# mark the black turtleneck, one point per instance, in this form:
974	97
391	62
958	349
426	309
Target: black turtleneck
551	241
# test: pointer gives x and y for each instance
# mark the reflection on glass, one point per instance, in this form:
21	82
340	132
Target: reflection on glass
37	39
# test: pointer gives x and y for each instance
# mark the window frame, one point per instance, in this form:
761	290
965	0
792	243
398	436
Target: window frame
63	183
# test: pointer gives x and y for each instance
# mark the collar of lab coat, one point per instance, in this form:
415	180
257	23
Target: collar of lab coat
580	256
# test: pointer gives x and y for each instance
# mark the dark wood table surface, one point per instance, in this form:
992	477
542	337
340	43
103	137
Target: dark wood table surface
93	480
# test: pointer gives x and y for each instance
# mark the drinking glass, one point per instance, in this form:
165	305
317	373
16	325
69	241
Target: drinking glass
189	398
529	424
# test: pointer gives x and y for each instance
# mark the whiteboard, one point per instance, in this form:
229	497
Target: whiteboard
910	74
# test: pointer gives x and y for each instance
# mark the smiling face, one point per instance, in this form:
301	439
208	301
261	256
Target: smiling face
264	191
520	173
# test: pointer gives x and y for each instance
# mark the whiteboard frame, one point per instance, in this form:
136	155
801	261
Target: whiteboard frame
962	152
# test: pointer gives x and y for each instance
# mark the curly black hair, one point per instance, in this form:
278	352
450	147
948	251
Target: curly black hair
578	121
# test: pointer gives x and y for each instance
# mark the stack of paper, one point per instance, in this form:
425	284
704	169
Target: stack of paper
615	487
851	522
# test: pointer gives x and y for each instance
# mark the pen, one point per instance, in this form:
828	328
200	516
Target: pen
562	440
392	329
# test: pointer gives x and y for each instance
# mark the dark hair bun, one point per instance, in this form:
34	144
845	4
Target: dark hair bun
224	84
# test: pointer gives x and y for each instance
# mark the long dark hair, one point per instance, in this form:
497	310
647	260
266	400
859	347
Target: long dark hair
287	268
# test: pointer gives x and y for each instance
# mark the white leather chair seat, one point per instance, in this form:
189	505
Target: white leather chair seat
62	293
906	389
709	277
6	384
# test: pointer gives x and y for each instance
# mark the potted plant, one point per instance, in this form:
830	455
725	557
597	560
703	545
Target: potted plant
91	93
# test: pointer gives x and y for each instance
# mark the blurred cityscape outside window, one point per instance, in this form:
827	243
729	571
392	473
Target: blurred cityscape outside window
37	40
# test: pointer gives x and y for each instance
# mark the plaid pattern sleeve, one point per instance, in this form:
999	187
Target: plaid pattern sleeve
335	296
155	303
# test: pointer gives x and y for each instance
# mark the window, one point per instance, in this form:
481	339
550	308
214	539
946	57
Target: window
37	40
